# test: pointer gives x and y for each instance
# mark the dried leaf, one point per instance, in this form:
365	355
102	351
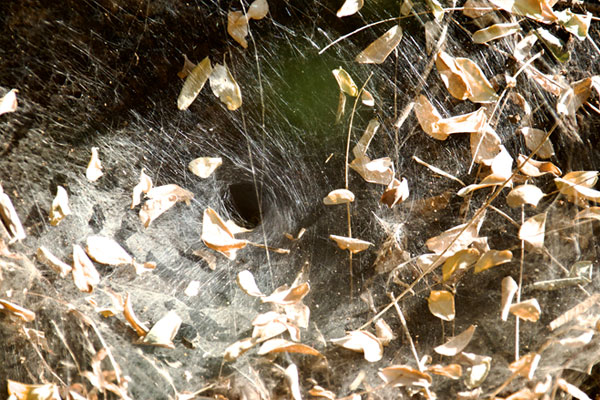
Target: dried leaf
351	244
271	324
485	145
138	326
460	261
496	31
436	9
163	332
143	186
577	186
528	310
441	304
23	391
556	45
406	7
377	171
237	27
464	79
574	96
18	311
298	314
9	103
536	168
187	68
592	212
258	9
246	282
580	340
204	166
318	391
225	87
396	192
577	24
47	258
533	137
572	390
367	98
476	8
491	259
338	196
234	350
362	342
160	199
285	346
10	218
192	289
433	30
456	344
291	377
532	231
217	235
285	296
437	170
94	168
440	243
377	52
194	83
524	194
526	365
345	82
440	128
106	251
452	371
403	375
208	257
384	332
350	7
84	272
60	206
478	371
524	46
538	10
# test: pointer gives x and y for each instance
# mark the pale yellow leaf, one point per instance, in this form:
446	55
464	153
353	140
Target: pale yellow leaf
377	52
194	83
464	79
351	244
217	235
225	87
94	168
345	82
509	289
362	342
237	27
491	259
403	375
339	196
528	310
285	346
459	261
8	102
106	251
532	231
496	31
456	344
350	7
84	272
204	166
441	304
533	137
163	332
524	194
258	9
246	282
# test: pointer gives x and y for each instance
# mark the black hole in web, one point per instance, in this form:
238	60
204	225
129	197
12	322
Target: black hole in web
243	204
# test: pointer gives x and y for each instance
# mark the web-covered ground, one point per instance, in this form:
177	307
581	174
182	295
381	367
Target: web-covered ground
104	74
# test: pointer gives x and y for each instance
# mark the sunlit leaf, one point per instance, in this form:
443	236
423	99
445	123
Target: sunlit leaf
362	342
572	390
192	289
291	377
23	391
377	52
271	324
106	251
437	170
403	375
287	296
441	243
10	218
526	365
94	168
84	272
338	196
258	9
524	46
436	9
478	371
298	313
485	145
204	166
246	282
384	332
592	212
318	391
361	147
187	68
143	186
476	8
433	30
8	102
225	87
138	326
496	31
528	310
556	46
461	260
491	259
406	7
234	350
577	24
18	311
577	185
539	10
574	96
163	332
46	257
350	7
536	168
452	371
194	83
464	79
367	98
352	244
441	304
396	192
524	194
285	346
532	231
440	128
345	82
580	340
456	344
217	235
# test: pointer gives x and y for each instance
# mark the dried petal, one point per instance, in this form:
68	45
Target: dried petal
217	235
362	342
491	259
377	52
225	87
204	166
94	168
85	274
350	7
246	282
106	251
194	83
46	257
441	304
351	244
339	196
524	194
456	344
403	375
532	231
528	310
163	332
285	346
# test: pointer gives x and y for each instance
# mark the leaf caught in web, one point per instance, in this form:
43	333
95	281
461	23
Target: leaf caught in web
452	371
23	391
345	82
194	83
84	272
456	344
440	243
21	312
538	10
557	46
526	365
8	102
246	282
235	350
396	192
536	168
440	128
338	196
577	186
163	332
403	375
495	31
160	199
106	251
509	289
577	24
138	326
60	206
362	342
524	194
460	261
532	231
46	257
217	235
572	390
285	346
441	304
225	87
491	259
380	49
94	168
237	27
528	310
377	171
350	7
352	244
143	186
204	166
464	79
